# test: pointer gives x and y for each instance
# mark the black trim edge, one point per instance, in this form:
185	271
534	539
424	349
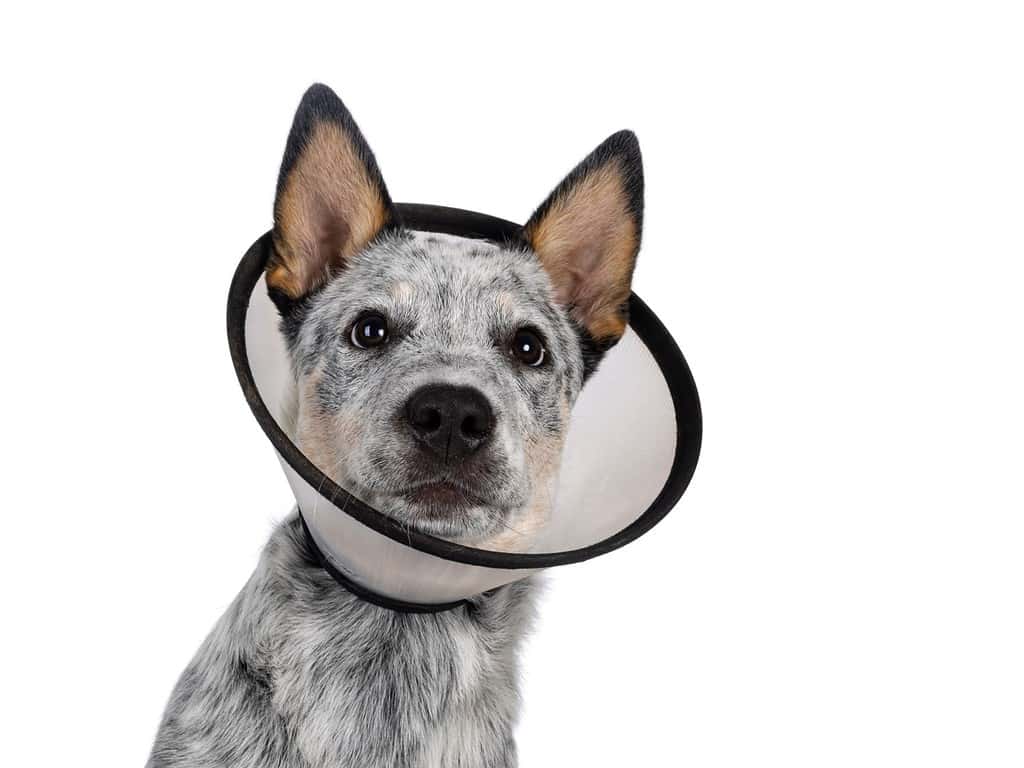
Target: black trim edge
375	598
643	321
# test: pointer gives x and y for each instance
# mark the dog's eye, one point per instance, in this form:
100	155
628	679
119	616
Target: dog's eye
370	330
528	348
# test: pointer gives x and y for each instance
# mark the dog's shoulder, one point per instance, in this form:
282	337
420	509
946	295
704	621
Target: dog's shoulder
300	669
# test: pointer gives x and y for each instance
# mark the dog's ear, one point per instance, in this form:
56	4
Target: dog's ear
331	200
587	234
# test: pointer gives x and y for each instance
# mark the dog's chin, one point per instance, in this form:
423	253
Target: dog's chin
443	510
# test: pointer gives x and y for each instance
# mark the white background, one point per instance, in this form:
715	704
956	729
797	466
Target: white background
834	234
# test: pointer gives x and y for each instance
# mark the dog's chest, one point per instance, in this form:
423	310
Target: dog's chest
469	657
458	734
416	691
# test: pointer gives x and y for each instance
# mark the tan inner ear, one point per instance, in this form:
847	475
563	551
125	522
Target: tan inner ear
587	242
328	210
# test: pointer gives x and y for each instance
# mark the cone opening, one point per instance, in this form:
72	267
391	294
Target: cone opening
634	442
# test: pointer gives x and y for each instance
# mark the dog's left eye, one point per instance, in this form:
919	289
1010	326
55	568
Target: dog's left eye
528	348
370	330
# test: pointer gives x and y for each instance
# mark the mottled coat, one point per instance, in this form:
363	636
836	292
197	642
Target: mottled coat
298	672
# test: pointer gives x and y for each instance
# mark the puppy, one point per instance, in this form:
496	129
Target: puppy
434	378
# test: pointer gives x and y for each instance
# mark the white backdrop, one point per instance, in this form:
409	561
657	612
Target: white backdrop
833	233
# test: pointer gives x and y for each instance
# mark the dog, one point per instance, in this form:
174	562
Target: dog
434	377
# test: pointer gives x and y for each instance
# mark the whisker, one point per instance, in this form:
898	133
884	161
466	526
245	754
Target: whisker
498	519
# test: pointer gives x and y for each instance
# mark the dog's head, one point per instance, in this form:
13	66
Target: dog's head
435	374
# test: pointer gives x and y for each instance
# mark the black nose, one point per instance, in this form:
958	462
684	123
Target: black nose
450	421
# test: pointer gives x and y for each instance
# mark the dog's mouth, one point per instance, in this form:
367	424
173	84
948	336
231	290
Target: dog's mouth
460	504
442	498
450	508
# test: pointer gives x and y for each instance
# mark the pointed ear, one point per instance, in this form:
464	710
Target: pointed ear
331	200
587	234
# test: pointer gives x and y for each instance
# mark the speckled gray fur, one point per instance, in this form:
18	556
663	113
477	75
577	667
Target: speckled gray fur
300	673
453	305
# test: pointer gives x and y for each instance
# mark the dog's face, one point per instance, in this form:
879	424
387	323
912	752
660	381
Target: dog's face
435	380
435	374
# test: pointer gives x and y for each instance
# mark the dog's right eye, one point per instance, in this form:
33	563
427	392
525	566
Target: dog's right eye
370	330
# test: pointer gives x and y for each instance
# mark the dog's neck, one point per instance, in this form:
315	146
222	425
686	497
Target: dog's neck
299	554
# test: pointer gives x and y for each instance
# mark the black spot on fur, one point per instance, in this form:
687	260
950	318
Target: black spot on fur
292	312
593	350
253	676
